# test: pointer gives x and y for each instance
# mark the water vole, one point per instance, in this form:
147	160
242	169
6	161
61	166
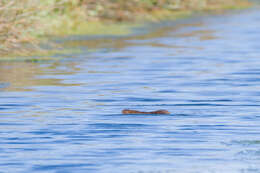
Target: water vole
128	111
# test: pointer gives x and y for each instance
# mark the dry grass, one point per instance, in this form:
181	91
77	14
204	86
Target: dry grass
17	18
21	20
130	10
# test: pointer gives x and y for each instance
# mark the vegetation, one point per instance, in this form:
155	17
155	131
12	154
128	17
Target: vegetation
16	22
22	22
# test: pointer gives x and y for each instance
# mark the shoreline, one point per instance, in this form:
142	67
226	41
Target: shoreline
100	28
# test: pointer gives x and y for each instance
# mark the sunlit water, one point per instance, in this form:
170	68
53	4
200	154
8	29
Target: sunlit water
65	116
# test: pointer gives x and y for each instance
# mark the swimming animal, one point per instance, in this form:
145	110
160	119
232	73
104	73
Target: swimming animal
129	111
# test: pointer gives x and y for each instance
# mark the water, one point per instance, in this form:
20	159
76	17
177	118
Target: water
65	116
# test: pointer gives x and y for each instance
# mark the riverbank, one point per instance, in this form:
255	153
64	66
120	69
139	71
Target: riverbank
26	23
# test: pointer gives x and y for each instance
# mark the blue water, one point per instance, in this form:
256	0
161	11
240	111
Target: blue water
65	116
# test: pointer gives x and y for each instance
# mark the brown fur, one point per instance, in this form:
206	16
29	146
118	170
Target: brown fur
128	111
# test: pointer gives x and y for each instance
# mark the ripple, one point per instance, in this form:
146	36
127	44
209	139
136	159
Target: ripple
117	126
246	142
62	167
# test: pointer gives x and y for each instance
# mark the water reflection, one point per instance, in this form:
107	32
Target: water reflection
20	76
148	39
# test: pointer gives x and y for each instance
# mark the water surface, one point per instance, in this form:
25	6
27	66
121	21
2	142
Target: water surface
65	116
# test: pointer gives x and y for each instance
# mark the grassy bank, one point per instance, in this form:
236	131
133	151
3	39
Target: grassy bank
24	22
